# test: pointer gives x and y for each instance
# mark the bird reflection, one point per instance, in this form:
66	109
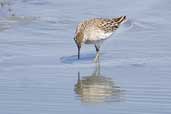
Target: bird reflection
97	88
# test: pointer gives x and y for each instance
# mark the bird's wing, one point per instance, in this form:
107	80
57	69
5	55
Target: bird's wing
107	25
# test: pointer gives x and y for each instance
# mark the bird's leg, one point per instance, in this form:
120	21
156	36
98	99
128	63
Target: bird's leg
97	54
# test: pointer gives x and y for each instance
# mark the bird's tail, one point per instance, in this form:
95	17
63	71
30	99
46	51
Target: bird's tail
120	19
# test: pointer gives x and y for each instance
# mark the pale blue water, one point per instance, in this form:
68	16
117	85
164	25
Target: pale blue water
39	72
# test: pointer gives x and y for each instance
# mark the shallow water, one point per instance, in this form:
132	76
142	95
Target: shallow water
40	74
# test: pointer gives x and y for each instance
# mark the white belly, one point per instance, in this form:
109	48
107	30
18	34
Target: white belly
105	35
96	36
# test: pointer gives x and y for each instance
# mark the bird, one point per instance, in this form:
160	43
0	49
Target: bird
95	31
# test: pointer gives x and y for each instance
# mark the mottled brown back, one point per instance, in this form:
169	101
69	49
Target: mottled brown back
105	24
109	25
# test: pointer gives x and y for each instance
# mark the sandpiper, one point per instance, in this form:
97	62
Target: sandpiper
95	31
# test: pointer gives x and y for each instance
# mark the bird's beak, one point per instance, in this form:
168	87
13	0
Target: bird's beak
78	46
78	52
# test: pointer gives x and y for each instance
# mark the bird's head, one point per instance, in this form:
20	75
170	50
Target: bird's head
79	40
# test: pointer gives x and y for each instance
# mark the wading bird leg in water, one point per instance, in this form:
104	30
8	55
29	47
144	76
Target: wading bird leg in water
96	59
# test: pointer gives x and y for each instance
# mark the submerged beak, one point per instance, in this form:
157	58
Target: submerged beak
78	46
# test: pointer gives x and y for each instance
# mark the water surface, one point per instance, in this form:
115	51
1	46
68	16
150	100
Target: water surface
40	74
